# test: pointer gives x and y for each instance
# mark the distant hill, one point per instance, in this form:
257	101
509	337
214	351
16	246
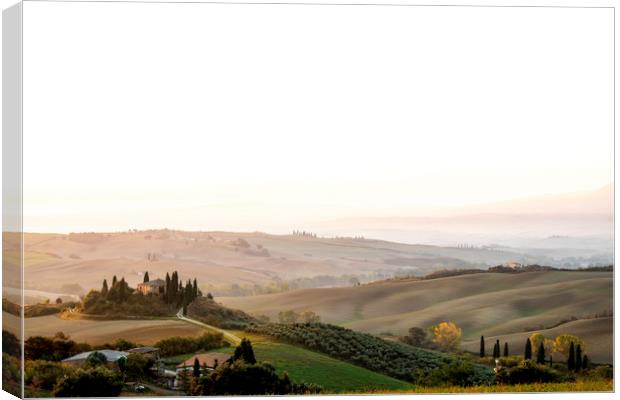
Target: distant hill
56	262
481	304
557	226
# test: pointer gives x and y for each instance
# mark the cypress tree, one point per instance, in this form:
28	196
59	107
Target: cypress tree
528	350
114	281
481	346
505	349
167	289
195	289
196	368
495	350
104	289
248	351
571	357
184	309
122	290
540	355
585	362
578	358
146	276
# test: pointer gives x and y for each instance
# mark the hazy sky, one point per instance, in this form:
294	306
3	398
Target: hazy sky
204	116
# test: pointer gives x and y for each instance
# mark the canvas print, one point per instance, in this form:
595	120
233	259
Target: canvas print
298	199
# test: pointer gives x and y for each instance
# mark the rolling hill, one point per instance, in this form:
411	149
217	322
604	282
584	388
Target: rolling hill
69	265
481	304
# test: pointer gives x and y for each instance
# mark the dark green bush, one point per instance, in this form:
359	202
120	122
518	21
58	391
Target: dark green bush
455	373
43	374
92	382
528	371
241	378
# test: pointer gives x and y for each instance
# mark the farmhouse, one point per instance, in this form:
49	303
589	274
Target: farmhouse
155	287
208	360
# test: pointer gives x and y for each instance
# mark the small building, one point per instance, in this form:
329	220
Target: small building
147	351
208	360
112	357
155	287
152	353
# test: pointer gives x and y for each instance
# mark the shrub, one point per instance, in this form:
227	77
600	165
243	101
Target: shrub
600	372
455	373
529	371
43	374
92	382
181	345
10	344
240	378
416	337
138	366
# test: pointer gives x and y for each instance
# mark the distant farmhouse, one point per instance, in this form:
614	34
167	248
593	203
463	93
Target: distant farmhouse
155	287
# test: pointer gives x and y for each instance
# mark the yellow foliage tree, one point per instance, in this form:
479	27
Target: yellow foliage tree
537	338
562	344
447	335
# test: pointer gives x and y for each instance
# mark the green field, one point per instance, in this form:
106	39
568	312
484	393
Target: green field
307	366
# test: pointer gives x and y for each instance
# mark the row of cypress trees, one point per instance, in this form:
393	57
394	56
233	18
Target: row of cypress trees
178	295
119	290
576	361
496	348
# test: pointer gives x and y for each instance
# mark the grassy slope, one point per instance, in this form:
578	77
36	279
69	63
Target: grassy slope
480	303
308	366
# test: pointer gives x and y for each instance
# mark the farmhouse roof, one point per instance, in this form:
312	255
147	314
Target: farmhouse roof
205	358
144	350
110	355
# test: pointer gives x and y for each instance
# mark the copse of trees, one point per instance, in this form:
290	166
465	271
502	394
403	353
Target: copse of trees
120	300
55	348
176	345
